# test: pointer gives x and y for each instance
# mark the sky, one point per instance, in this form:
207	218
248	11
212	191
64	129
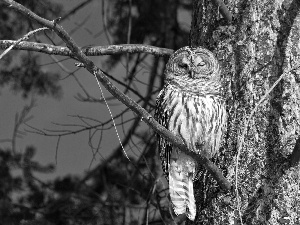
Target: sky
73	156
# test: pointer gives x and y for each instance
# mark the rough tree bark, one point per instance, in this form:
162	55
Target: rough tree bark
259	45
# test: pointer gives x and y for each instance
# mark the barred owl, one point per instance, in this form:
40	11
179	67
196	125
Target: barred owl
190	105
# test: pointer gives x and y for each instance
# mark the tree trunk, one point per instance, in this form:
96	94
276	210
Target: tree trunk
259	46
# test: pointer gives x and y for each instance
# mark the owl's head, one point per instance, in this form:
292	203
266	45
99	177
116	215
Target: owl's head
193	68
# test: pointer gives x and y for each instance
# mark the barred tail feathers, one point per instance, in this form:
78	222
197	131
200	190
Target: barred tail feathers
181	189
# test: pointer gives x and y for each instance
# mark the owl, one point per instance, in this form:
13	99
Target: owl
190	105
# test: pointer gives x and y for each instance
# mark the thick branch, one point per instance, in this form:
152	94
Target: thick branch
176	141
89	51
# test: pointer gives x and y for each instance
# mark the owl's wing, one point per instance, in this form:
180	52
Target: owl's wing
161	115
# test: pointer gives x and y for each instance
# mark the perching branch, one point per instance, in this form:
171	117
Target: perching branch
89	51
100	76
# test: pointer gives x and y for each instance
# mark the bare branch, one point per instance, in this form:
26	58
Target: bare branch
89	51
25	37
75	9
104	23
20	119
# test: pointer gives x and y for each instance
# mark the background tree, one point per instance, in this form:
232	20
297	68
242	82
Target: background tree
258	51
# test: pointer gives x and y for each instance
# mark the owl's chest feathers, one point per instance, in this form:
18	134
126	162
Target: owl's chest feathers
186	107
192	117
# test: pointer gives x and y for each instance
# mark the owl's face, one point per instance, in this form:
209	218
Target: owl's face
193	68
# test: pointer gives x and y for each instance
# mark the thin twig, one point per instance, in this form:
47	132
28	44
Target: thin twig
56	149
25	37
19	120
74	10
106	31
128	36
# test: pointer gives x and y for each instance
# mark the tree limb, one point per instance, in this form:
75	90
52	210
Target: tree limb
100	76
89	51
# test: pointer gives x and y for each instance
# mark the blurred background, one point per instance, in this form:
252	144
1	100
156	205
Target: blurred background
60	157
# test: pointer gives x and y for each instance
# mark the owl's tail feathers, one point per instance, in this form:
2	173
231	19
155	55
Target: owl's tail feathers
182	194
